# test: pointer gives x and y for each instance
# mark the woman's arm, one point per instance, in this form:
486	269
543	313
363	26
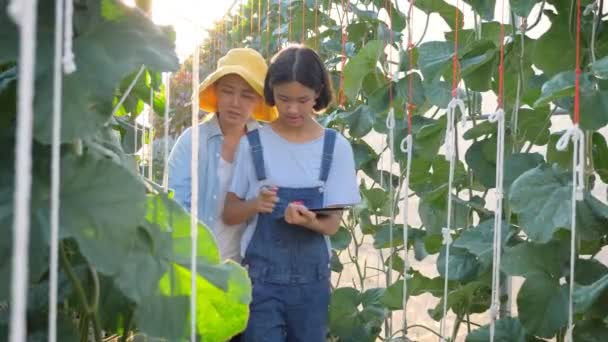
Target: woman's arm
237	210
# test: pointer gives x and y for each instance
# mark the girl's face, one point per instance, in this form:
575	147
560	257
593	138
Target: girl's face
294	102
236	100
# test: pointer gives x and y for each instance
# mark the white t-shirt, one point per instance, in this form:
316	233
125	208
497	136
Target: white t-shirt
295	165
228	237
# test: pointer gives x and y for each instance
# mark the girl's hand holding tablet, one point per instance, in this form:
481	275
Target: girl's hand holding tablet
298	214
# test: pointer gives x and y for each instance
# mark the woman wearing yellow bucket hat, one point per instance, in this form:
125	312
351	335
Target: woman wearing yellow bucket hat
233	94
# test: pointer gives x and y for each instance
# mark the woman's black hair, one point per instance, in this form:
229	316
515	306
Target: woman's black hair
303	65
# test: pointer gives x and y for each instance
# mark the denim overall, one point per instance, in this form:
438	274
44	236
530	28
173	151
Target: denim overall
288	264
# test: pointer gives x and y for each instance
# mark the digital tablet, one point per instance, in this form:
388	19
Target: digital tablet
326	209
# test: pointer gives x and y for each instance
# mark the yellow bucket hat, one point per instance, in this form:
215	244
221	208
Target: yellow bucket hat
248	64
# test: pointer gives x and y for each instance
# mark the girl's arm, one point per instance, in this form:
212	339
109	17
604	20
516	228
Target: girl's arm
300	215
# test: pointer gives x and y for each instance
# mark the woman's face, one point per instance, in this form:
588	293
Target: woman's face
295	102
236	100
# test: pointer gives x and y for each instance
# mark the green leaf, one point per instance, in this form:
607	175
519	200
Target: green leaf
350	324
438	93
341	239
586	296
104	55
360	121
593	330
560	86
549	54
428	139
335	263
522	8
507	329
445	10
163	317
434	213
543	306
542	199
473	297
599	69
359	66
434	58
484	169
417	285
485	8
600	156
173	219
377	200
479	241
221	314
533	125
531	260
517	164
363	153
382	236
463	266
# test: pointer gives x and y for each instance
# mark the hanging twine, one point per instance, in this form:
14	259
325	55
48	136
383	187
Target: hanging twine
303	38
341	96
390	125
289	23
69	66
151	136
24	13
499	118
450	146
316	9
194	188
407	147
166	126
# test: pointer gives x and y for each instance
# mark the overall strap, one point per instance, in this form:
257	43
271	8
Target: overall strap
329	141
257	154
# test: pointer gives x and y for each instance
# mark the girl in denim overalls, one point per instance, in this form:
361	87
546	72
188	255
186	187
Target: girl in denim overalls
281	170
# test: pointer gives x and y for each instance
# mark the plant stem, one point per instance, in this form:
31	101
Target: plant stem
456	327
127	327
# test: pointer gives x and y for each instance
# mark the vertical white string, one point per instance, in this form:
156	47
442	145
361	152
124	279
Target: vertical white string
55	172
390	124
450	146
25	11
69	66
144	150
499	118
406	147
151	136
577	136
194	175
166	121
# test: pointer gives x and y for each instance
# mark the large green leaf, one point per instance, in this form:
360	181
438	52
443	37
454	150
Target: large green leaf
445	10
220	314
434	58
593	330
600	156
523	7
599	69
533	125
549	54
543	306
586	296
507	329
485	8
473	297
561	85
542	199
349	323
360	121
433	213
531	260
463	265
480	240
359	66
105	54
417	285
173	219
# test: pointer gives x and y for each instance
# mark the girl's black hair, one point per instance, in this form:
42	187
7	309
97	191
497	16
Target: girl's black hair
303	65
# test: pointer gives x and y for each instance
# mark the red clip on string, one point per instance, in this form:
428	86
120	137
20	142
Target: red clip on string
390	49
